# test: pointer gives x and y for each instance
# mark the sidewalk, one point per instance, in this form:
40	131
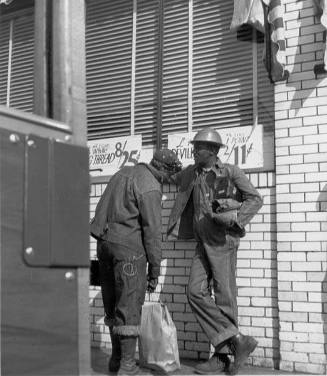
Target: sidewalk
99	362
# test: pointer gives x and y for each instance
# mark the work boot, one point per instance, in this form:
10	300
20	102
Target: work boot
128	364
114	361
218	363
241	347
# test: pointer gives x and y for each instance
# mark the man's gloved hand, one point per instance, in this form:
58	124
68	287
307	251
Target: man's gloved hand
152	284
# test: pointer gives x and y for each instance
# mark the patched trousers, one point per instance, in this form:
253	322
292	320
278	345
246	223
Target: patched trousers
123	286
214	267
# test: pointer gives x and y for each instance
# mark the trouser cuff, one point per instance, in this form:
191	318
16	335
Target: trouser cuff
223	336
127	330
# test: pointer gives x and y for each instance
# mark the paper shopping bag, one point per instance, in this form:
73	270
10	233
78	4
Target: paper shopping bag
158	347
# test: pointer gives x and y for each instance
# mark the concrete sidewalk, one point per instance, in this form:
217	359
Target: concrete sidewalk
99	364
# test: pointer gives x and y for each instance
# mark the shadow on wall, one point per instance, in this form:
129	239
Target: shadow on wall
322	207
99	358
177	259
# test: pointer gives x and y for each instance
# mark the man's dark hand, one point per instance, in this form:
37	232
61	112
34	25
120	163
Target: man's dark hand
226	219
152	284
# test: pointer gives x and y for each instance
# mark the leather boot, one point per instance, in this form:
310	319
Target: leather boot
241	347
218	363
114	361
127	364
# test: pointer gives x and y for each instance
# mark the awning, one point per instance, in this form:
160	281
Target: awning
267	17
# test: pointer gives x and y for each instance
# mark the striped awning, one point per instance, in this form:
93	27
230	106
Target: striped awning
321	10
267	17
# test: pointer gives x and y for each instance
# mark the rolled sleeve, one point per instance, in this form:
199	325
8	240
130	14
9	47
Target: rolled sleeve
251	199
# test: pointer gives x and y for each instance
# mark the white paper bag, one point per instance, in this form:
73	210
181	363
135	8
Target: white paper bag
158	347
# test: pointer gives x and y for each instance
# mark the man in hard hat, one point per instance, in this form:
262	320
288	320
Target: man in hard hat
127	225
214	203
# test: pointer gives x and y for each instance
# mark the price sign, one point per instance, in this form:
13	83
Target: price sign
107	156
244	146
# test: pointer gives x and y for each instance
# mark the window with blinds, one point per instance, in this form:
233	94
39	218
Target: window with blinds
153	68
170	66
17	60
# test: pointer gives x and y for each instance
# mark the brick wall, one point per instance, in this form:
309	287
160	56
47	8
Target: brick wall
256	279
301	194
282	261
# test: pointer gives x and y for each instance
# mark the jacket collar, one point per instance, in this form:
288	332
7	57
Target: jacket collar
159	175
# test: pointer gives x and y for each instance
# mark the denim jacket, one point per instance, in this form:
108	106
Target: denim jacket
180	223
129	213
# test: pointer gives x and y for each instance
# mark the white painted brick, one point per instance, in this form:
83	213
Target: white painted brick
309	347
306	266
292	356
282	188
306	307
314	236
290	217
316	176
251	291
285	306
281	114
292	276
289	123
304	187
288	141
285	169
293	316
285	365
291	256
303	207
294	159
290	236
317	256
316	138
291	197
308	167
307	286
322	110
322	148
286	105
317	358
317	157
304	149
292	296
305	226
317	337
250	273
284	266
259	282
310	368
315	297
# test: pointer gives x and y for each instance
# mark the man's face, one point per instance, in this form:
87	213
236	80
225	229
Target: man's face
204	154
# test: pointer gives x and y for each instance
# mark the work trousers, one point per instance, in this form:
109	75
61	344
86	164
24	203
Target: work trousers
214	267
123	286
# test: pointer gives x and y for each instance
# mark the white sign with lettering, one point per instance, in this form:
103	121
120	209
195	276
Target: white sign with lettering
244	146
108	155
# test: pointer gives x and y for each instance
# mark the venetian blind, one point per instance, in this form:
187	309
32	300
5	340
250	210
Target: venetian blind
175	67
17	60
108	67
222	74
146	69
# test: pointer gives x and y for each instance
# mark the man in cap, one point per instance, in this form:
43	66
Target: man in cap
127	226
214	203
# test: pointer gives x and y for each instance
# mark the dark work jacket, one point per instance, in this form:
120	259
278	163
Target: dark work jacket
180	223
129	213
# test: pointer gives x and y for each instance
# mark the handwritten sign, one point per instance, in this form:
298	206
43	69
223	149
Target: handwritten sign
108	155
244	146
